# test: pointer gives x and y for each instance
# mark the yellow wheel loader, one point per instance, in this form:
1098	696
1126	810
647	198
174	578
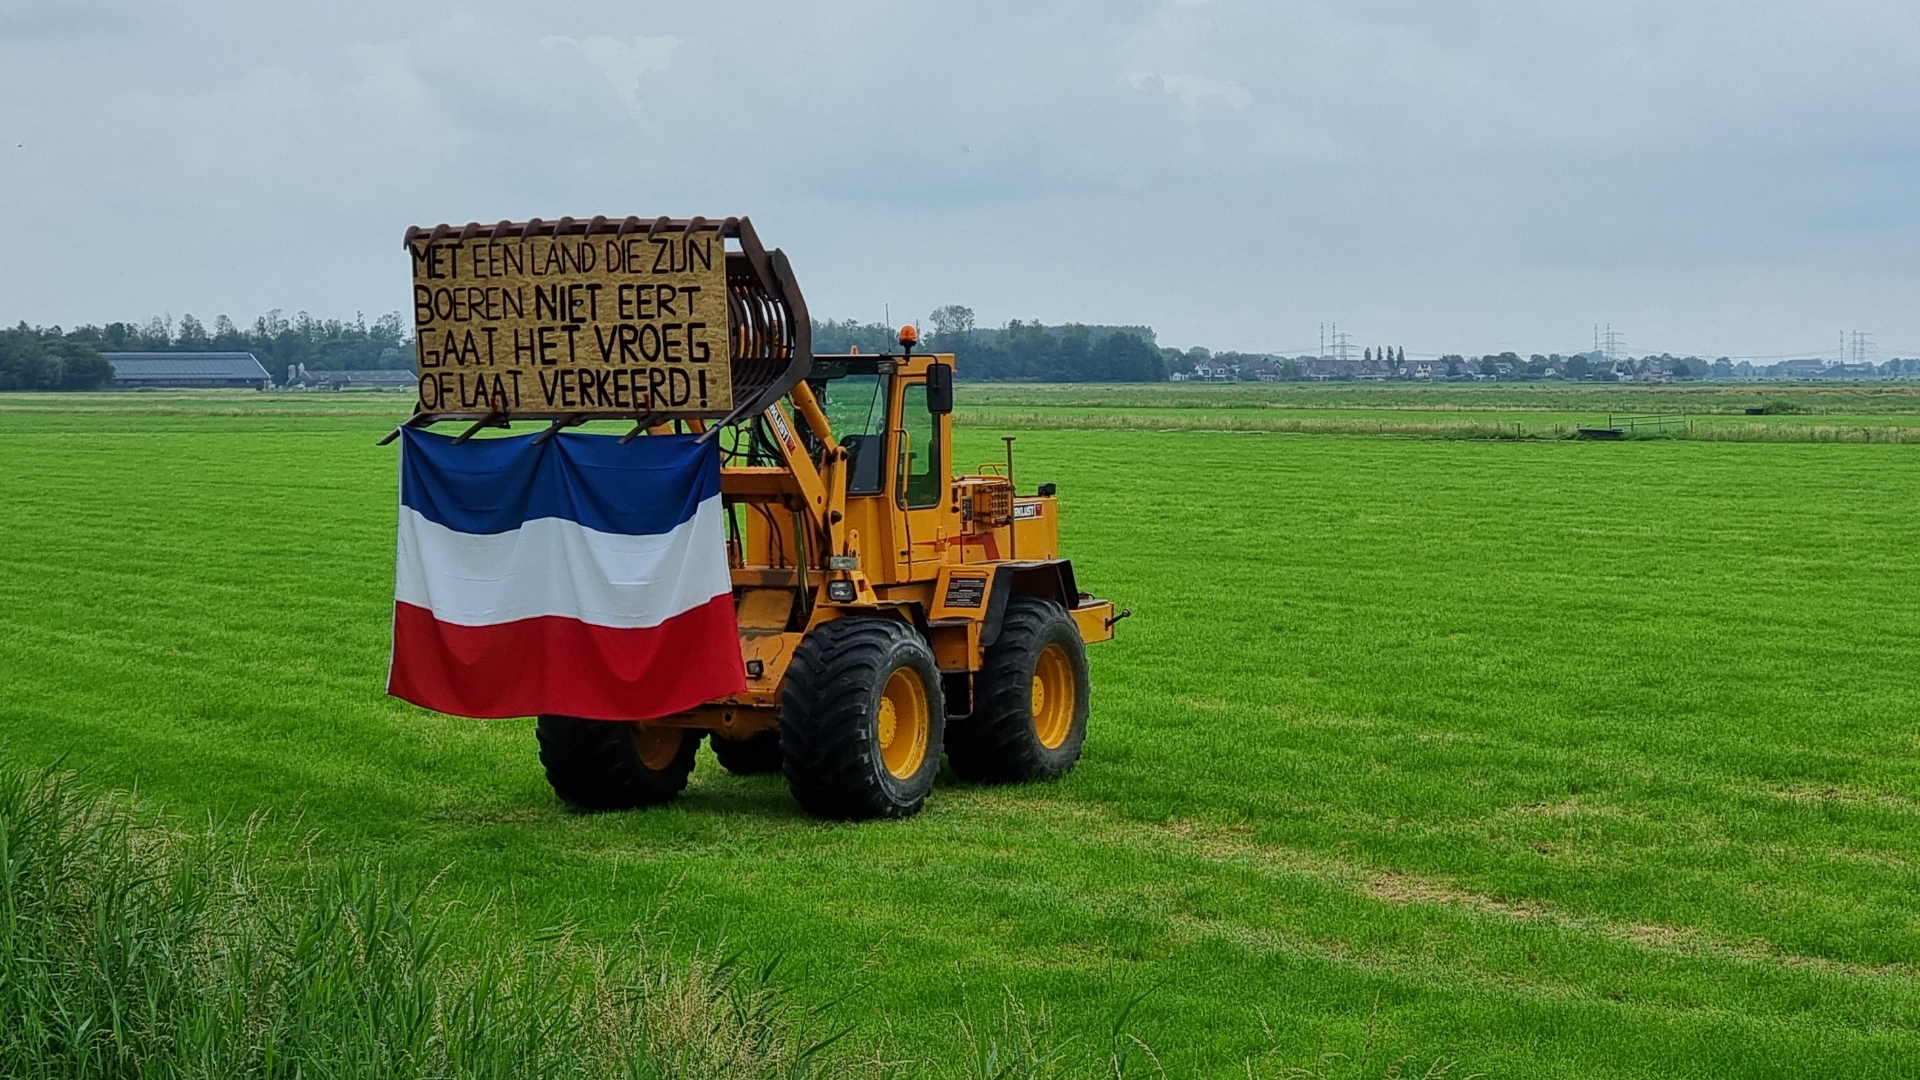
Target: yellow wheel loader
892	605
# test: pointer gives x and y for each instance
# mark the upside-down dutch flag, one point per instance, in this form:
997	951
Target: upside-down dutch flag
574	576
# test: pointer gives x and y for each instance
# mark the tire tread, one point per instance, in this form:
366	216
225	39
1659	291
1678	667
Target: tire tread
592	764
996	743
826	751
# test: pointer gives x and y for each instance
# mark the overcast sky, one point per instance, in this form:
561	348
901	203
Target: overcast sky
1723	178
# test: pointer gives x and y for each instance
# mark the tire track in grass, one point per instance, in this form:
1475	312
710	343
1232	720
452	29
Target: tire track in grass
1237	845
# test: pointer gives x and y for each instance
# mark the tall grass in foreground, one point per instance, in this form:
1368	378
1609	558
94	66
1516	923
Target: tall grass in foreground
131	950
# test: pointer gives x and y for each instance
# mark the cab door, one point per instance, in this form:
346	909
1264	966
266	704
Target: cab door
922	443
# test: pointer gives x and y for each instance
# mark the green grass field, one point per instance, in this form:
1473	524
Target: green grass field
1551	758
1840	412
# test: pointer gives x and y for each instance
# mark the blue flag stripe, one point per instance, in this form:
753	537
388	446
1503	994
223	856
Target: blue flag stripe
484	486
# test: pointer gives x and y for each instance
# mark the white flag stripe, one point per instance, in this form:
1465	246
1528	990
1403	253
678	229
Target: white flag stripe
552	566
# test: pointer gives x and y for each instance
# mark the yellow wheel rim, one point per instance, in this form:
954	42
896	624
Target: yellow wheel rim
904	724
657	746
1054	696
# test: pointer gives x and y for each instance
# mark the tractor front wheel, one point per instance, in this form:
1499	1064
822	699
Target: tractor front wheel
613	764
862	720
1030	699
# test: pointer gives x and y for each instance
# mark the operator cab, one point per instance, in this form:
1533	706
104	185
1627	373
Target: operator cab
855	393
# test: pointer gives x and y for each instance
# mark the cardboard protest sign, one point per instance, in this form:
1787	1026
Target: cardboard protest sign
600	325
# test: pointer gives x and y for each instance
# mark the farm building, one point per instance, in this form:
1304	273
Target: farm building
357	379
198	370
383	378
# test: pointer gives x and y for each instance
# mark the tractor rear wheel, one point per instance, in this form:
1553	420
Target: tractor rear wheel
612	764
750	756
1030	699
862	720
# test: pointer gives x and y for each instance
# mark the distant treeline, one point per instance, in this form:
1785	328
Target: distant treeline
34	359
49	358
1017	351
320	344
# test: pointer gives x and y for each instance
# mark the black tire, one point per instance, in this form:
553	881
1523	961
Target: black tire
1000	743
598	764
752	756
830	719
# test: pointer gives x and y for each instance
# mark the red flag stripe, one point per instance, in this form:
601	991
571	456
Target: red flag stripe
560	665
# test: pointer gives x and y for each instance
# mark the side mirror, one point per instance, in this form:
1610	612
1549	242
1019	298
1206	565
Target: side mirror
940	389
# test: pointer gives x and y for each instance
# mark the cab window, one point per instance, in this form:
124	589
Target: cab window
924	479
856	408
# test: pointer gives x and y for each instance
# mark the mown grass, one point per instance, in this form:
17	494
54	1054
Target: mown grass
1891	398
1884	412
1545	758
1466	426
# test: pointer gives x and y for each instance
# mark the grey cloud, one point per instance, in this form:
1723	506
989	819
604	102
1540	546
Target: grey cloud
624	63
1712	176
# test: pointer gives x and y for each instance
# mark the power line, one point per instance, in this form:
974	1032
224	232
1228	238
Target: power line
1614	341
1857	348
1342	345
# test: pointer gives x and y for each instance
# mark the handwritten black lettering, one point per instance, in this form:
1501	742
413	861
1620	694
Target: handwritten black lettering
469	295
